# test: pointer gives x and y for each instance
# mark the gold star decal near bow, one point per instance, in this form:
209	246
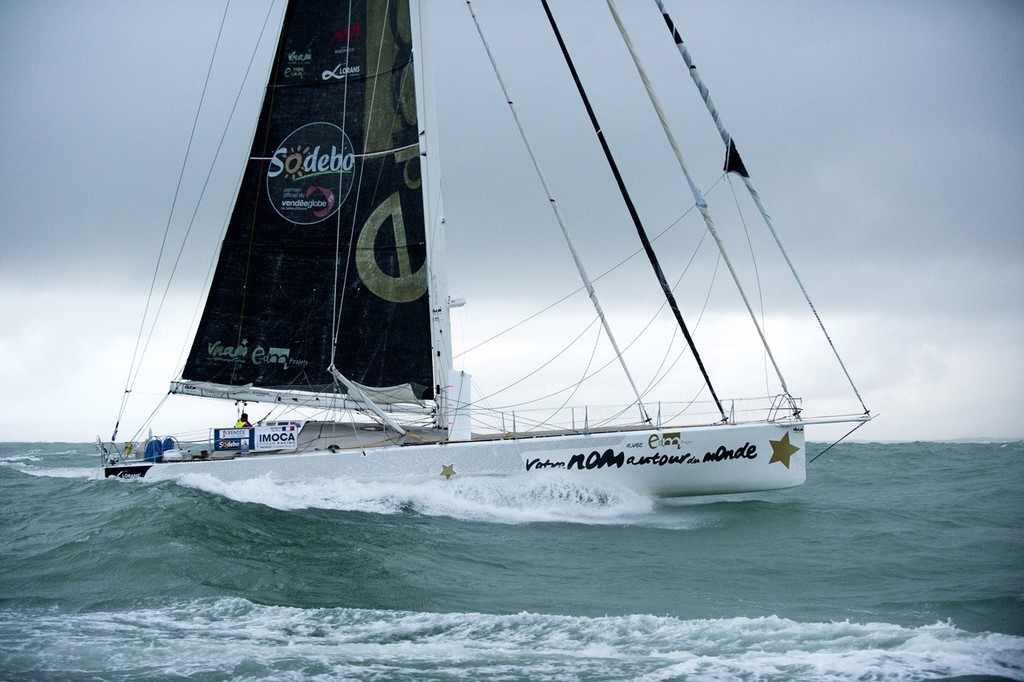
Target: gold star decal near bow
782	450
447	470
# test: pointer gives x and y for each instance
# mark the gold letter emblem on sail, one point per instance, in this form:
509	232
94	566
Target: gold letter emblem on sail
409	285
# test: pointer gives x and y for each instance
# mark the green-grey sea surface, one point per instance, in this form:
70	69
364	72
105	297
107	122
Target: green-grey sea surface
894	562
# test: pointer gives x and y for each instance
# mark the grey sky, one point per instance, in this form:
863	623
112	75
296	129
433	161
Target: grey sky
886	139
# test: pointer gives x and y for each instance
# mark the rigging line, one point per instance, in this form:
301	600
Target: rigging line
377	76
590	362
604	274
542	366
656	380
664	303
337	303
641	232
522	322
757	272
405	71
209	175
351	388
392	150
567	296
587	282
686	406
697	196
252	230
148	421
391	130
553	412
601	276
133	368
837	442
734	163
595	372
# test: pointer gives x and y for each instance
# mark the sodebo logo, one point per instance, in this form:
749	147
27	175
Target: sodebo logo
310	173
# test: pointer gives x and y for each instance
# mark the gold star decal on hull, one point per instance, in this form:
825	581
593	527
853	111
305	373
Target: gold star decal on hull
447	470
782	450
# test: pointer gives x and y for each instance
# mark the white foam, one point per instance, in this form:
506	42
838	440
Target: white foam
500	500
229	635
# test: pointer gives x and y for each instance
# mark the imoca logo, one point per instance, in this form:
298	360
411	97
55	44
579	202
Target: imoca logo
276	439
310	173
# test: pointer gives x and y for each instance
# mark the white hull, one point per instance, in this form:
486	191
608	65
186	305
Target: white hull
656	462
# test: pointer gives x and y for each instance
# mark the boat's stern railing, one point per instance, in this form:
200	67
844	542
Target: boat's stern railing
153	449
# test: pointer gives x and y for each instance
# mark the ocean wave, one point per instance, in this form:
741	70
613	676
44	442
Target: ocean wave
51	472
40	461
232	637
20	458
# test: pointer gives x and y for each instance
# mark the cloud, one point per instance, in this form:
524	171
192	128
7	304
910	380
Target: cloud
883	137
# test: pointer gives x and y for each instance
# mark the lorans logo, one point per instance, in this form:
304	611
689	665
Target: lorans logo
340	72
310	173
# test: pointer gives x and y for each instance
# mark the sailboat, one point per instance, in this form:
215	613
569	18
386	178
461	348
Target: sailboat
329	309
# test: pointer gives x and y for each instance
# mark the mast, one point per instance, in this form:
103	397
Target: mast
734	164
433	215
446	395
641	232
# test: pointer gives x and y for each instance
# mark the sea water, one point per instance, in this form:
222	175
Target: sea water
894	562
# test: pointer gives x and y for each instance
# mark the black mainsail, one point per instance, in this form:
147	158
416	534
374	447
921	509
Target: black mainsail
324	260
